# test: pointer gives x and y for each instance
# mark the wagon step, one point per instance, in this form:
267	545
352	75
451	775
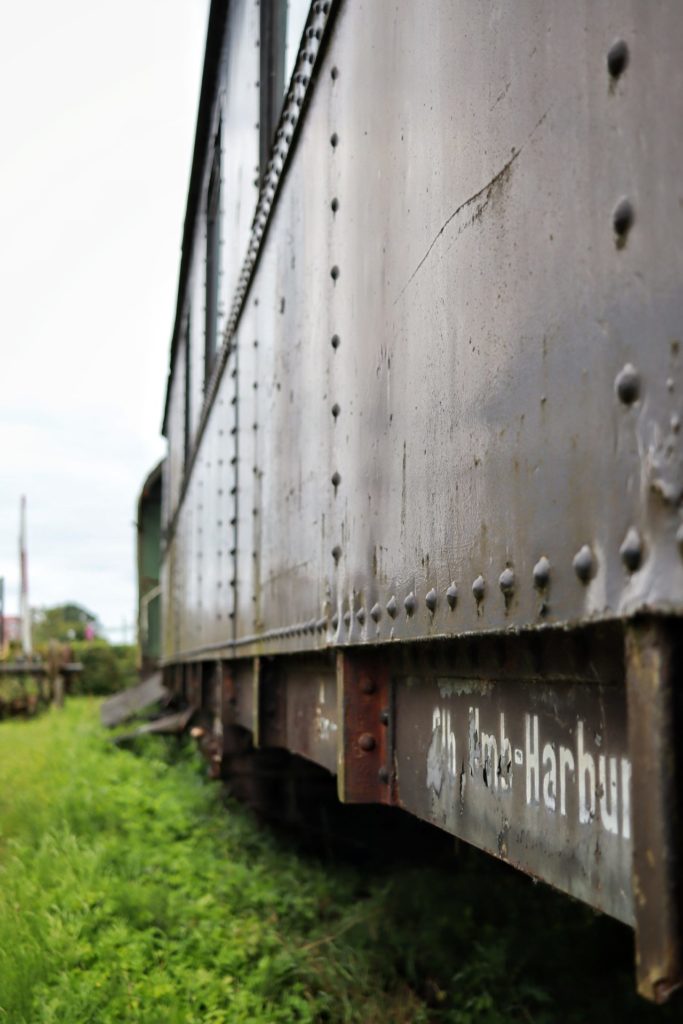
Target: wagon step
132	701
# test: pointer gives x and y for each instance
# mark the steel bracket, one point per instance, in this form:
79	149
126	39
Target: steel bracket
654	702
365	768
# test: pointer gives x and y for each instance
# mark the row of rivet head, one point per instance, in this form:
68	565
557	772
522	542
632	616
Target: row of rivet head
583	563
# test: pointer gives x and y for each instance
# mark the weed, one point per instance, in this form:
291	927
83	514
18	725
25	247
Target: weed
130	892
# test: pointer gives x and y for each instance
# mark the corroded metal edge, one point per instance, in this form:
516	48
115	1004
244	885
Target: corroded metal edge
327	637
652	667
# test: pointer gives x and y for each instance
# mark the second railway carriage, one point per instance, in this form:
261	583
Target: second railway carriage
422	504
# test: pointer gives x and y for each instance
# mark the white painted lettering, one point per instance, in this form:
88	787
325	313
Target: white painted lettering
609	808
505	767
625	798
532	759
549	776
566	764
449	744
489	757
586	769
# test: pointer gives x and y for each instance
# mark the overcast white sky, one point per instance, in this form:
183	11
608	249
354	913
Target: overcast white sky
97	115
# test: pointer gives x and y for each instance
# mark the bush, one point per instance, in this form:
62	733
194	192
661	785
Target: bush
107	668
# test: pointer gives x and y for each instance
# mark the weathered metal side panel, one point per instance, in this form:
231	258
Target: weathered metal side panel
172	476
174	467
216	496
537	774
293	419
238	103
249	511
194	311
311	722
204	611
458	241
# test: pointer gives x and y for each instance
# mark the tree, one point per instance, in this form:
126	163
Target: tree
63	622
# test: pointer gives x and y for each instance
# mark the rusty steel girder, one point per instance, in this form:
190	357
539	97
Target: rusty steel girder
653	684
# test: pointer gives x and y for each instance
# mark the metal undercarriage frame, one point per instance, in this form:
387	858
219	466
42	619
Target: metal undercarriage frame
554	751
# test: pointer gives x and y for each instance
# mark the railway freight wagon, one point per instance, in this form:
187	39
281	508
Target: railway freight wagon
422	513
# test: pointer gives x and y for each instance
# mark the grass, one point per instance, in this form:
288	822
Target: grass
130	892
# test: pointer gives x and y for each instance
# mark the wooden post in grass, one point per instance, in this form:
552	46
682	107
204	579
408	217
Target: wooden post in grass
55	676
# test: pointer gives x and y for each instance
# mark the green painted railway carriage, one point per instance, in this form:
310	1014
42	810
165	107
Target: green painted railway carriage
422	516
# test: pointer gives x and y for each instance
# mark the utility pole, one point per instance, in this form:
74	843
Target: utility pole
24	610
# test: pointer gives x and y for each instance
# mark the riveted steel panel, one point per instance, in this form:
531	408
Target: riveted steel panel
238	110
485	309
469	385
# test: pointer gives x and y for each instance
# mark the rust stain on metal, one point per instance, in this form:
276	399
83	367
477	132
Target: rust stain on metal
652	665
365	770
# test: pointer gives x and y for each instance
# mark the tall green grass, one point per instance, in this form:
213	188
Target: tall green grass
130	892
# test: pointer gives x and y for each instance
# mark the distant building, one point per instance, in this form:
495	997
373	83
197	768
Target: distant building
11	629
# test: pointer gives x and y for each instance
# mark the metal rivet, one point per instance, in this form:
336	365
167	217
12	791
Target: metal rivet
360	615
368	685
335	341
384	716
347	619
336	479
631	550
541	573
479	588
335	410
334	74
409	603
334	273
334	205
336	552
321	624
506	581
622	220
583	563
334	139
617	58
366	742
452	596
335	621
383	775
392	607
430	600
375	613
627	384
